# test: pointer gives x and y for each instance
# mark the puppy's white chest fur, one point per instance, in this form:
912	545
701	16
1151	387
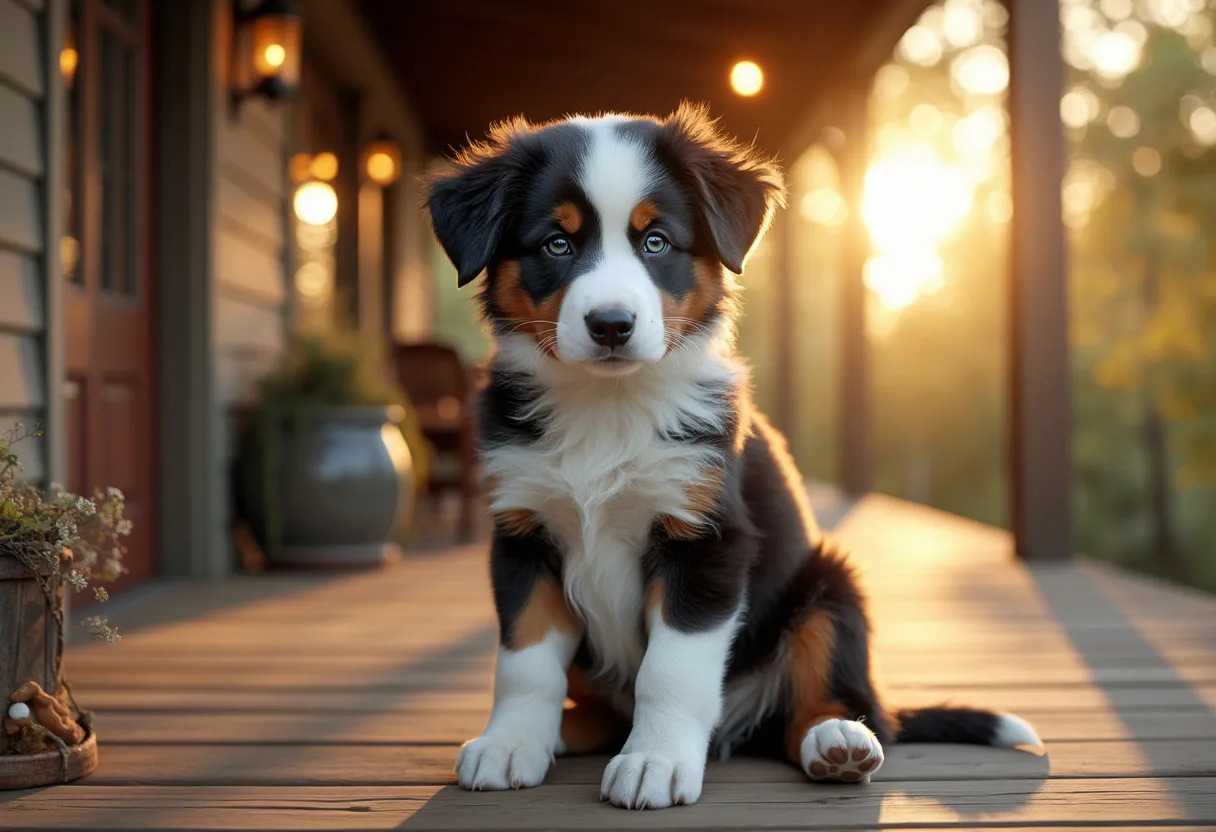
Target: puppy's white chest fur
603	471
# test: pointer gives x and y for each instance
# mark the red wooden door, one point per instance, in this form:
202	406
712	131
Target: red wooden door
107	255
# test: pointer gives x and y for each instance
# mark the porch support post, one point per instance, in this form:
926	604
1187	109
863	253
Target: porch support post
855	407
191	484
1040	416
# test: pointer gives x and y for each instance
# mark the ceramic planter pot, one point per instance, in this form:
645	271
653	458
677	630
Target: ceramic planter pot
339	477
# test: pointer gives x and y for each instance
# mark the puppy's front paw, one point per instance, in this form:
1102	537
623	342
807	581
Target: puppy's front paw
644	780
839	749
492	765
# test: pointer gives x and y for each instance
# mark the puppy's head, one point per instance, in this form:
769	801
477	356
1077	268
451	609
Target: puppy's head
604	239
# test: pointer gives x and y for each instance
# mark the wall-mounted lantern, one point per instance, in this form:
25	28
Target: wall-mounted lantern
381	161
266	49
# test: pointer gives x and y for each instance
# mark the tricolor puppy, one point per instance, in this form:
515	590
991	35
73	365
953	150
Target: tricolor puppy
654	556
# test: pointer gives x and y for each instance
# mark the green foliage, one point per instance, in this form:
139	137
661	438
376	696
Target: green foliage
338	369
60	537
328	369
1144	329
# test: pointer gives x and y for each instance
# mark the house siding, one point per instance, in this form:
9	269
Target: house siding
22	164
249	239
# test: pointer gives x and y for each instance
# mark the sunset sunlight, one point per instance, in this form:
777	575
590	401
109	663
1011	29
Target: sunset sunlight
913	200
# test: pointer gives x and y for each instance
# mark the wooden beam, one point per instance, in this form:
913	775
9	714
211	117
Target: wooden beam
1040	415
854	404
191	481
876	40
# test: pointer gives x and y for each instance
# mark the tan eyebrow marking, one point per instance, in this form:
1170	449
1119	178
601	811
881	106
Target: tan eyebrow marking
643	215
568	217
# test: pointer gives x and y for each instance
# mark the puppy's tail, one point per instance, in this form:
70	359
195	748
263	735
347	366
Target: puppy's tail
965	725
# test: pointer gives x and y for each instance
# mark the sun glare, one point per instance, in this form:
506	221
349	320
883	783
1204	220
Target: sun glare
920	45
982	70
899	279
913	198
912	202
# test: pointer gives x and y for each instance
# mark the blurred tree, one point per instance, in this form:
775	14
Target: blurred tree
1144	313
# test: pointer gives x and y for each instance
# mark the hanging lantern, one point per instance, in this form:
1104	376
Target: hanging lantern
381	162
266	49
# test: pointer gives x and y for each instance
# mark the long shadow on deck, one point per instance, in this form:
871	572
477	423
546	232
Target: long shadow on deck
1089	618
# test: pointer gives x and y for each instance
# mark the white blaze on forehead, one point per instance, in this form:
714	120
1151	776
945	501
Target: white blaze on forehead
617	173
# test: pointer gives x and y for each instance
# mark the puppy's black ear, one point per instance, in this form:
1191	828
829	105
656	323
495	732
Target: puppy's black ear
469	206
736	188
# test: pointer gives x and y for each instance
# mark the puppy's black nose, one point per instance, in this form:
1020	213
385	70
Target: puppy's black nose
610	327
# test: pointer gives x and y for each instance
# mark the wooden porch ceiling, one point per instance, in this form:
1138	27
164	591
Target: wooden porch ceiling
467	64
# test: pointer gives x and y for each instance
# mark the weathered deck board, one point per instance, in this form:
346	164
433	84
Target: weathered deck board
329	765
338	702
941	670
450	725
474	695
968	804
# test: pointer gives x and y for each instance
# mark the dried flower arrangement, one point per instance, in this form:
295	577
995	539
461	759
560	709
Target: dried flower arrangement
63	537
61	540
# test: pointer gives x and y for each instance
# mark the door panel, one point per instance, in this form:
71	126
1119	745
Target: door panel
109	287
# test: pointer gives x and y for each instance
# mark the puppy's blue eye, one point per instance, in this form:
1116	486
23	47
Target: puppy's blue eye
559	247
655	244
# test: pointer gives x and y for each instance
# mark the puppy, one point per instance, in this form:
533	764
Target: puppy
654	556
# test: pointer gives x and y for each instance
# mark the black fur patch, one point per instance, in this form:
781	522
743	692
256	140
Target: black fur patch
504	410
703	579
516	563
946	724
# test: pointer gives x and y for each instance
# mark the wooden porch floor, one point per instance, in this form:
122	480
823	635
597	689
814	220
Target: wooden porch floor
339	702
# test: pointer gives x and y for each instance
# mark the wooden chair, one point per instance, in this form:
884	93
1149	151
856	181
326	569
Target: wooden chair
440	387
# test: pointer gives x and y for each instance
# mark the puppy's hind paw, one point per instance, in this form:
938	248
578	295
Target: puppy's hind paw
841	750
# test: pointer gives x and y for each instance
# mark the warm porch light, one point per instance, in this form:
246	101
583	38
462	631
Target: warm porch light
382	162
298	167
267	48
746	78
274	56
69	59
315	203
324	166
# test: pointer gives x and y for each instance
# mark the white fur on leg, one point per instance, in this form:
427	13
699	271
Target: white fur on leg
841	750
1015	732
678	703
517	746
